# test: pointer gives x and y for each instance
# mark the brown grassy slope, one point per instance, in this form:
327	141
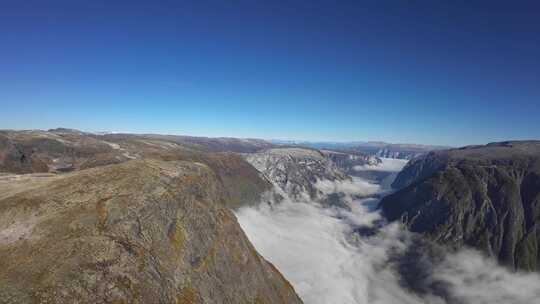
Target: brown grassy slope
144	231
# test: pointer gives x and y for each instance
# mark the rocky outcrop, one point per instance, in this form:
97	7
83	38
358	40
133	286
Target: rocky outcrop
14	158
348	160
144	231
391	153
399	151
242	184
65	150
420	168
296	172
206	144
487	197
42	151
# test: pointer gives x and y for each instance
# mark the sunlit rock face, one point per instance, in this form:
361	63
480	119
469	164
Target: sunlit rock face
487	197
296	171
350	256
144	231
347	160
395	151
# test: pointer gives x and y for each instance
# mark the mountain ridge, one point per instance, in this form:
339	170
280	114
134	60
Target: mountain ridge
147	231
486	197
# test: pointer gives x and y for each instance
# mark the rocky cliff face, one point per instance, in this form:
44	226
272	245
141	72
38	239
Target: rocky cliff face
487	197
348	160
399	151
296	171
218	144
389	153
420	168
144	231
65	150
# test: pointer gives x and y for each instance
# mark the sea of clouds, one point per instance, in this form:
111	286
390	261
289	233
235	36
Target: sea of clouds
387	165
321	252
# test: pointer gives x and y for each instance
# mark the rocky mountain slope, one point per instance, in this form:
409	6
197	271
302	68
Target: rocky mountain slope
143	231
370	148
348	160
358	164
400	151
64	150
487	197
207	144
41	151
301	174
133	219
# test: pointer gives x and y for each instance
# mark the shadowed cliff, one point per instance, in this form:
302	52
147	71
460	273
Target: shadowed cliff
486	197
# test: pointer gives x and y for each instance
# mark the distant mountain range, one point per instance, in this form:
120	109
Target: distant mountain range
373	148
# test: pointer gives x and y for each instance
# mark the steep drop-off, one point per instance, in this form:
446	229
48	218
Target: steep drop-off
296	172
144	231
487	197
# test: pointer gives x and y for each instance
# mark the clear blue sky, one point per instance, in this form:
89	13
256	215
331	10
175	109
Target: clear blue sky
400	71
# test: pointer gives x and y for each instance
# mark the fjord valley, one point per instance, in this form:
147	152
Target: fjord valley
178	219
487	197
269	152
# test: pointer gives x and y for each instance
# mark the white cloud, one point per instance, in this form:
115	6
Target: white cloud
477	279
308	244
355	186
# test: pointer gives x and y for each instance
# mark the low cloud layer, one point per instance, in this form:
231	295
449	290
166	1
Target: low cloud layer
474	278
354	187
387	165
331	255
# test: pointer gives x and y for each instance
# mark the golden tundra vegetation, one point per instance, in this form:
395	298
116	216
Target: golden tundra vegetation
149	223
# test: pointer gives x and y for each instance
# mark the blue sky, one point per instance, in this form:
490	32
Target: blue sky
450	73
